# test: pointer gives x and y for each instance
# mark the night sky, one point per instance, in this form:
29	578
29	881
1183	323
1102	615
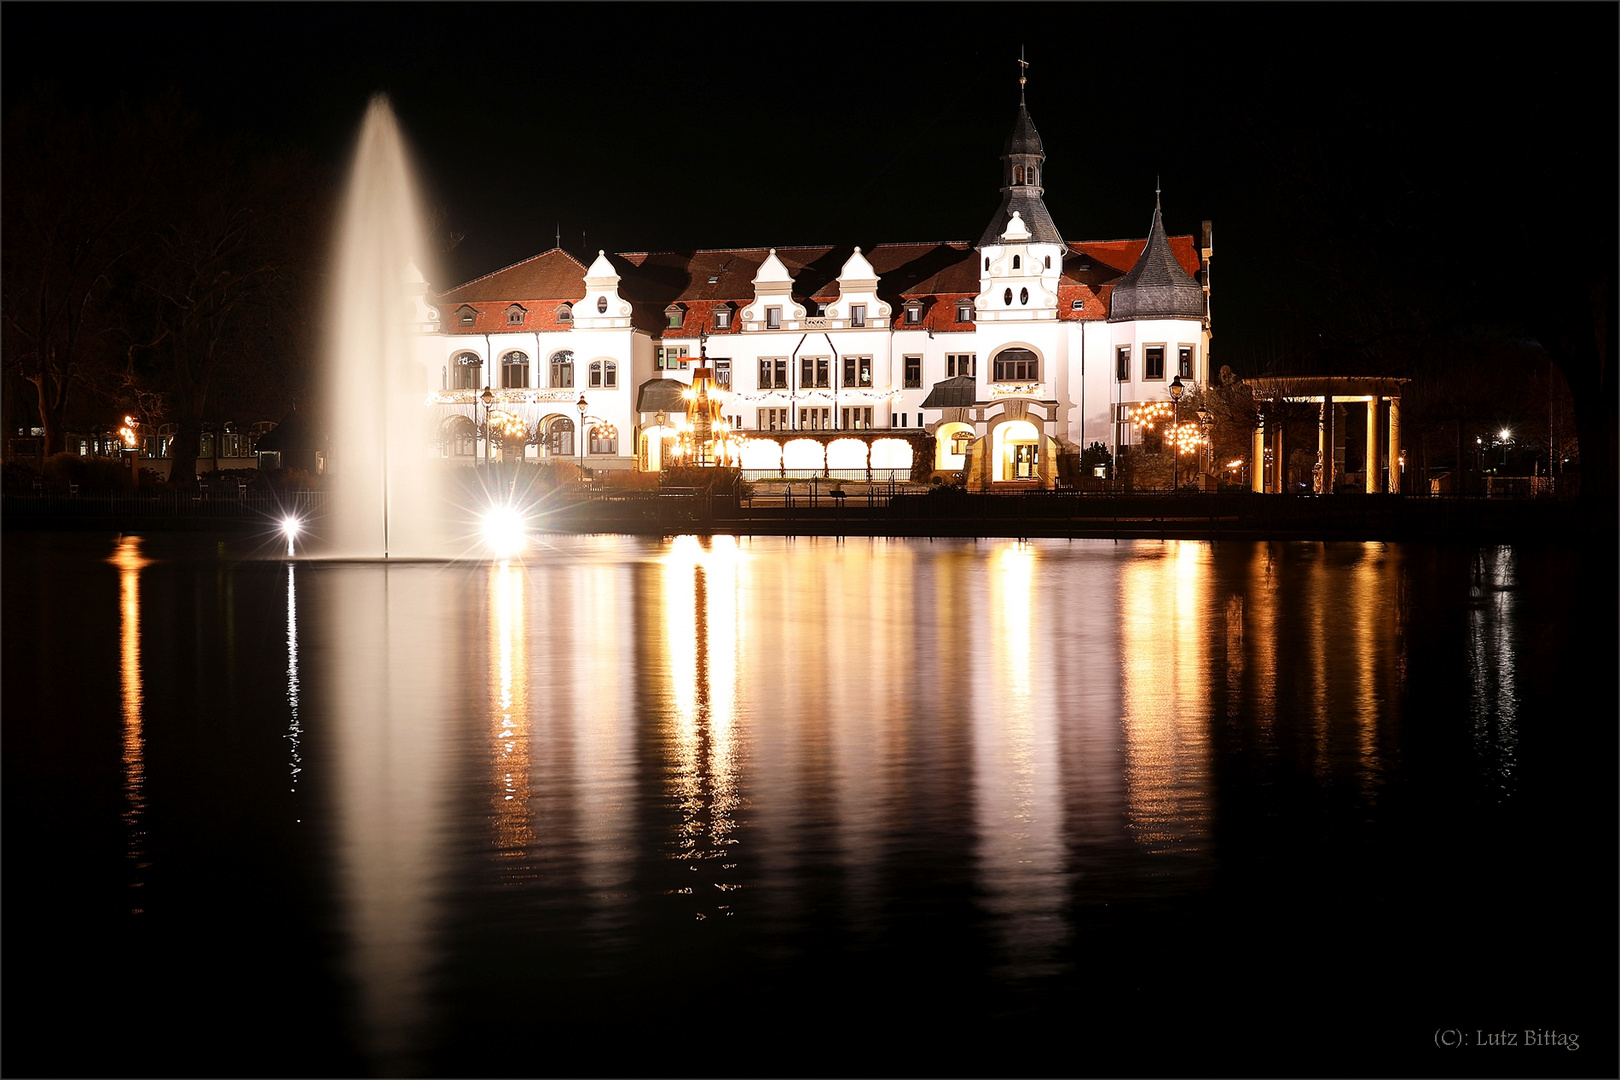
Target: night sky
657	127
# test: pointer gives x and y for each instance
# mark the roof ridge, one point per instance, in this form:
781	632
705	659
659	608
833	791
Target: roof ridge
520	262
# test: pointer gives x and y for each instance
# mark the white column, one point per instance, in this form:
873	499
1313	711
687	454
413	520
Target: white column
1372	446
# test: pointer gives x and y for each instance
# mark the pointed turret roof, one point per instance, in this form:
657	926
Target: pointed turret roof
1022	157
1157	287
1023	139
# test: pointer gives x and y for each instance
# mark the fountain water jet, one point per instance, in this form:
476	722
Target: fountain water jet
388	493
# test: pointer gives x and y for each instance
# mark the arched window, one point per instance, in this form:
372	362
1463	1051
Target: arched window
1018	174
604	439
565	313
562	369
459	437
560	437
987	262
601	305
515	371
1030	176
1016	365
514	315
1017	262
466	372
604	375
1048	262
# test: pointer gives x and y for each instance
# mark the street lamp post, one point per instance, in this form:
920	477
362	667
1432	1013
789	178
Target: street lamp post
1205	420
488	398
582	406
1176	390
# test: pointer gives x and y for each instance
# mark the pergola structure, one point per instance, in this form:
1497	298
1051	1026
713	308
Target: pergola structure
1381	399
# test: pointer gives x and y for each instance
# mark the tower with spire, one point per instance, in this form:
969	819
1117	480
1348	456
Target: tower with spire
1021	251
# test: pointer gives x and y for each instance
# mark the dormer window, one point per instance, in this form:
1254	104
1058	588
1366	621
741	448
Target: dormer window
714	279
676	316
722	318
964	312
857	315
565	314
773	318
913	312
515	315
466	315
1077	305
1017	262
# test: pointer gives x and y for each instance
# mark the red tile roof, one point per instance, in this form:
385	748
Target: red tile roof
938	273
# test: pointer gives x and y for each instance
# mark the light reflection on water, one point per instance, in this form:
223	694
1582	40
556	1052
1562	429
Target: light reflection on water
130	562
621	748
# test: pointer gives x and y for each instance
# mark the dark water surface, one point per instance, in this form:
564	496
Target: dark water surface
809	806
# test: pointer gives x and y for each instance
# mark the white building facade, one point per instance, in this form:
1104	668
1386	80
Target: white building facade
982	362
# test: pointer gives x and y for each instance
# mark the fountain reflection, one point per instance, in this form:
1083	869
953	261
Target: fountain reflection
129	560
385	668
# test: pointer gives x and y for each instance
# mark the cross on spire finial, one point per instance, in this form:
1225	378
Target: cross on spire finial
1023	74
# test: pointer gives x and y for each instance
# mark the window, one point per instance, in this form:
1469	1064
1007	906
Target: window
815	419
1016	365
773	318
514	315
773	419
1023	297
1006	298
465	373
1077	305
676	315
601	305
913	312
857	371
565	313
604	439
515	371
913	372
857	315
961	441
722	372
857	418
675	356
958	364
466	315
722	318
1122	363
562	369
1016	262
1029	176
604	375
1048	265
560	437
964	312
1153	362
1184	365
987	262
815	371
